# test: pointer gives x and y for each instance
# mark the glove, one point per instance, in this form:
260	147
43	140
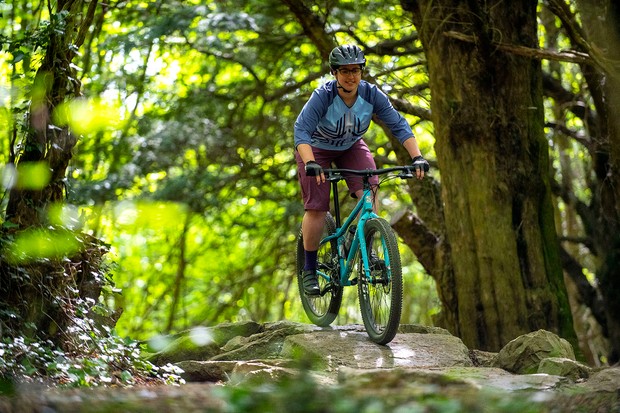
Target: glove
420	163
313	169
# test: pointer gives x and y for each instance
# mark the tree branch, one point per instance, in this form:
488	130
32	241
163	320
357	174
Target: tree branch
585	212
562	56
404	106
291	87
578	37
553	88
400	47
312	26
419	238
587	293
85	24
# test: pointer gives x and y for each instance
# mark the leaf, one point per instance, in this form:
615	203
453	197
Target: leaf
126	376
9	225
18	56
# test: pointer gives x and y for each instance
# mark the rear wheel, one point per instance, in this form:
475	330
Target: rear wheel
381	296
322	309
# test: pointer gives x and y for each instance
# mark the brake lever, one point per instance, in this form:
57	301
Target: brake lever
408	173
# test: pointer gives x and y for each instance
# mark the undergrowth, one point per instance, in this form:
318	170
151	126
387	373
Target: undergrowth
57	320
102	361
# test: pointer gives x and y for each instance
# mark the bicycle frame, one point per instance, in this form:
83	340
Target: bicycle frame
364	210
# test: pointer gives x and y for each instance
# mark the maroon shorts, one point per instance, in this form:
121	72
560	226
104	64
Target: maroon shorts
358	156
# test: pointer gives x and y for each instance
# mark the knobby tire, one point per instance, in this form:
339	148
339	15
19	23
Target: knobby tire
381	297
321	310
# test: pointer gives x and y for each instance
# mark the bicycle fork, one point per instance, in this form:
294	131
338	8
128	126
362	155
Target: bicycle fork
359	241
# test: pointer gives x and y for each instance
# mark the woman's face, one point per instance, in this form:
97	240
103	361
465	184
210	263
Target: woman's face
349	77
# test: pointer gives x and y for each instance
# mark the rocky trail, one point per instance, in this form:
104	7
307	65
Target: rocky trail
289	366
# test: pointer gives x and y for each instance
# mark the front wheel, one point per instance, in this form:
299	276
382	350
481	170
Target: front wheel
381	295
322	309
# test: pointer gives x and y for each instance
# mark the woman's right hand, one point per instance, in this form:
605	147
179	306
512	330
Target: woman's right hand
314	169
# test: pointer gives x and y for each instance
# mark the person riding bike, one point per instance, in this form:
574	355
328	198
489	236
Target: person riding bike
329	130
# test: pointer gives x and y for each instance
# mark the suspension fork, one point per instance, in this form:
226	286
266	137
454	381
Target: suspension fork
367	213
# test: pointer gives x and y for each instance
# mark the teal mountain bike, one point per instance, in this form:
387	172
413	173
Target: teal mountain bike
362	251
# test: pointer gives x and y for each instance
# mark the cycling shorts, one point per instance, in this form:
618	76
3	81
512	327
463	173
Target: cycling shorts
358	156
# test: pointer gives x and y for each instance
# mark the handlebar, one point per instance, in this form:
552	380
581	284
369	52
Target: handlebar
336	174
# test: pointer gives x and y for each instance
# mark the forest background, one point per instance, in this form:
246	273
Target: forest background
164	129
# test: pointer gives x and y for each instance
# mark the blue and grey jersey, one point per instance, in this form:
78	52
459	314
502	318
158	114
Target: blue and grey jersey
326	122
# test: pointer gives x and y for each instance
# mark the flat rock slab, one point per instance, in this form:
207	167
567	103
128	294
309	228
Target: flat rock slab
332	349
475	377
467	388
501	379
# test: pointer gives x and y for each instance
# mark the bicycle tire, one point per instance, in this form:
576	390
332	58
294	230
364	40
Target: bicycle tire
381	297
322	310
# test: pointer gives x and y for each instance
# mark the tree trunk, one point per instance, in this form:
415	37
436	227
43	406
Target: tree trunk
42	296
488	116
55	81
179	280
601	20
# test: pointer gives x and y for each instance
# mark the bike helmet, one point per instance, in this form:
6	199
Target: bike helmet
346	55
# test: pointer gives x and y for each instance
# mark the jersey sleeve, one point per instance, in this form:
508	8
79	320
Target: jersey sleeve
309	117
391	117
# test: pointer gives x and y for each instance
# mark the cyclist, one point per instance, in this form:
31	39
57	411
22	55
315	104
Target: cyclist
329	130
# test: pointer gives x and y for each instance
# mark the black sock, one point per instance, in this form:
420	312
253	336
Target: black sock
310	263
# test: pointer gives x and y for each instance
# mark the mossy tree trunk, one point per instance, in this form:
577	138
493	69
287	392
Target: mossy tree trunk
55	82
41	297
488	115
601	21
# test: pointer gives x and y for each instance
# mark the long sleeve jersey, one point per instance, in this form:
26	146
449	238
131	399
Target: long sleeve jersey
326	122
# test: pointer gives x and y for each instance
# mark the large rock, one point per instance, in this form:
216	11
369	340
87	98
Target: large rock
331	349
418	328
235	372
266	344
523	354
206	371
471	377
564	367
604	381
200	343
483	358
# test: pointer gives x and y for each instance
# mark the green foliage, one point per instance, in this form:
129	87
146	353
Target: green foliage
298	394
36	244
72	343
35	38
31	175
102	361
